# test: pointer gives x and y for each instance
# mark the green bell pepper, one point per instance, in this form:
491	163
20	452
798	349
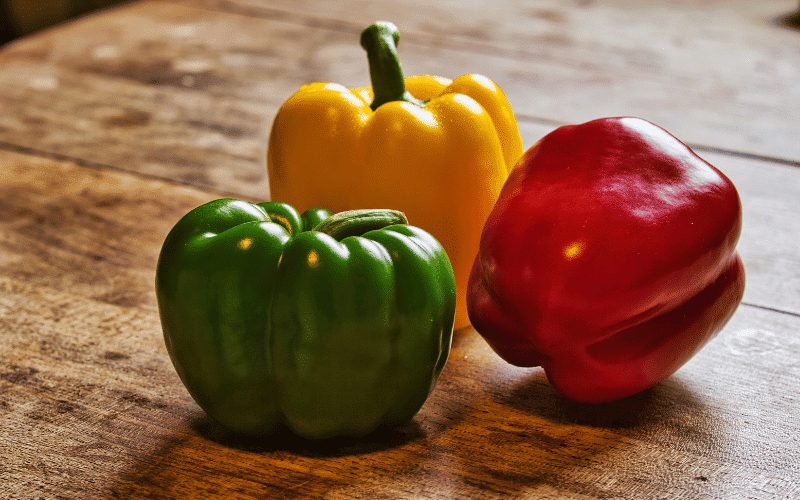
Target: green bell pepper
330	325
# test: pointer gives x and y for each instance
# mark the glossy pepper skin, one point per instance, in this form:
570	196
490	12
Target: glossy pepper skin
609	259
435	149
334	331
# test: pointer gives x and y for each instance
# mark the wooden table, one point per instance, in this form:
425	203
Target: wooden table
115	125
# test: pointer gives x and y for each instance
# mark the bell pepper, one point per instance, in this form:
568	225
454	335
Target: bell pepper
328	325
435	149
609	259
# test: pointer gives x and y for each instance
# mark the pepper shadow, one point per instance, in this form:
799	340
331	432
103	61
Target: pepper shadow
286	441
201	459
535	394
667	414
525	435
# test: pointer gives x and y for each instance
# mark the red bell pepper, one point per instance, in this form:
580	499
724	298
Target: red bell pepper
609	259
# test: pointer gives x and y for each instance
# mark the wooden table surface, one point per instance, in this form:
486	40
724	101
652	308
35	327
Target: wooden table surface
114	125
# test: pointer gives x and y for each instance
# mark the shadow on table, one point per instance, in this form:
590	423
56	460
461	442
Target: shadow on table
666	415
201	459
532	437
204	460
488	430
284	440
662	403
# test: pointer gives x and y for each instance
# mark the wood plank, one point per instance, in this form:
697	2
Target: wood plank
91	406
770	229
96	410
141	115
83	366
719	73
171	90
85	230
109	121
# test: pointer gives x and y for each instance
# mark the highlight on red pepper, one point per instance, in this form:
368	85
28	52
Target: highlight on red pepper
609	259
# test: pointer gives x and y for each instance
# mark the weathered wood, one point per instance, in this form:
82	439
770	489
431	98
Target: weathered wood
115	125
716	73
197	98
91	405
769	195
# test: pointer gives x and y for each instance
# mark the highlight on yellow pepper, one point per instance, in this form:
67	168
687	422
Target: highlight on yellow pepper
437	149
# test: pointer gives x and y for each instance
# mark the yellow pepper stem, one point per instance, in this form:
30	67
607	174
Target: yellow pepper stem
380	40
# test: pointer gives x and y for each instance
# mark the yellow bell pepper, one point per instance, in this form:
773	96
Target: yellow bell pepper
437	150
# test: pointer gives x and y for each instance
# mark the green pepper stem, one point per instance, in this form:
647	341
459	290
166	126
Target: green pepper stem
358	222
380	40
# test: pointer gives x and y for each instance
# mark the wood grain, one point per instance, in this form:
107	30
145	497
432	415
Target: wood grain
197	98
92	407
117	124
717	73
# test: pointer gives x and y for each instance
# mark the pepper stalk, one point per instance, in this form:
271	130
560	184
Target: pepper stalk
380	40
